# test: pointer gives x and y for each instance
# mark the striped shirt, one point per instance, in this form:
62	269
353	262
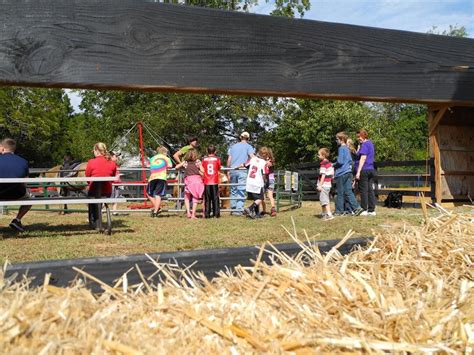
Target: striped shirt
326	169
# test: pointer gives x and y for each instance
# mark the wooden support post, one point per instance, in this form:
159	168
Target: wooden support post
435	116
432	180
436	119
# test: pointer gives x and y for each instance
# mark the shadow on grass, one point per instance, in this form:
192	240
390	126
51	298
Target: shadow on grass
43	230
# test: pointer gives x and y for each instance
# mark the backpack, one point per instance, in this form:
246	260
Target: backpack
394	200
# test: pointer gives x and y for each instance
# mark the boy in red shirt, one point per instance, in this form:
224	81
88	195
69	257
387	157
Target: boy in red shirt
211	164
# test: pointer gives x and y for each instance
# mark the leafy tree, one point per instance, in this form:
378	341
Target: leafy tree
308	125
286	8
37	120
453	31
407	128
215	119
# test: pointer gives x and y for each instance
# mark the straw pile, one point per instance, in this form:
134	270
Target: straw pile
411	290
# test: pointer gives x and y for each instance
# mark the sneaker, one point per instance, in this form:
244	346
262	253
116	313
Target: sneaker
364	213
259	215
328	217
273	212
248	213
359	211
16	225
337	214
373	213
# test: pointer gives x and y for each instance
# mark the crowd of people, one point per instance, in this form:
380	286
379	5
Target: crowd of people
251	174
353	171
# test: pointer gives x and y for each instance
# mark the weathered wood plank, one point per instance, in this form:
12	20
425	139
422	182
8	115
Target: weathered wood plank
144	45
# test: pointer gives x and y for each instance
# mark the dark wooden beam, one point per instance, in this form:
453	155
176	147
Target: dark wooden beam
144	45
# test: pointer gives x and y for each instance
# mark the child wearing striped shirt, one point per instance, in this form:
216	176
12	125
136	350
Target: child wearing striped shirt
326	174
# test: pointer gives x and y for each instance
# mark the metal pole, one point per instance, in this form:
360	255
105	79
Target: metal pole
278	191
142	154
45	192
300	191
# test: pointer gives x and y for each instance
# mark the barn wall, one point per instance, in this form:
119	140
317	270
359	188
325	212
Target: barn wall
452	147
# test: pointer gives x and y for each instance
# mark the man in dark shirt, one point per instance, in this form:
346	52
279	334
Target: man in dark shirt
13	166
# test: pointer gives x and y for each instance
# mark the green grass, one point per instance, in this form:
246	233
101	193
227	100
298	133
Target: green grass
54	236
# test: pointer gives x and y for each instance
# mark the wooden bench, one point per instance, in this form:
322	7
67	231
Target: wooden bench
66	201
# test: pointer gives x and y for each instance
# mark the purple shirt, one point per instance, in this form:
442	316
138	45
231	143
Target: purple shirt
367	149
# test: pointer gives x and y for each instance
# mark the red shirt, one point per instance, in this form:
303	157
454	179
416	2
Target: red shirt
211	165
101	167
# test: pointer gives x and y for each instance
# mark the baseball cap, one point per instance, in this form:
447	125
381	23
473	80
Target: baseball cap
245	135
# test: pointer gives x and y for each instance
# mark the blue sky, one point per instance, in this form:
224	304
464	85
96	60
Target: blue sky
407	15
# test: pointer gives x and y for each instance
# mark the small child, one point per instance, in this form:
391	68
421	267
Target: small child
270	183
211	164
156	187
193	184
256	181
326	172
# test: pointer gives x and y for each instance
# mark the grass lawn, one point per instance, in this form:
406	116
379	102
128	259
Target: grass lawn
54	236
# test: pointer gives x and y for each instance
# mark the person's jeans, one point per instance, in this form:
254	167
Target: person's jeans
366	189
344	193
95	190
238	177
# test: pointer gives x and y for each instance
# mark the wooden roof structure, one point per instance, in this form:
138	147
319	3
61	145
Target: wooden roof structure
145	45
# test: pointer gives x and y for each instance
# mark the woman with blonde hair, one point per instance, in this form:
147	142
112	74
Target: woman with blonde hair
100	166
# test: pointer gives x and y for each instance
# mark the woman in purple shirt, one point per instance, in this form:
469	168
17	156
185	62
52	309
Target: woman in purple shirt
365	173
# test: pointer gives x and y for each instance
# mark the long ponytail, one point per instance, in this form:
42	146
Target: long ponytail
102	149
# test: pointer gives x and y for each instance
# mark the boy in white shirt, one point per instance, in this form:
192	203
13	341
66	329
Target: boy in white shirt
256	176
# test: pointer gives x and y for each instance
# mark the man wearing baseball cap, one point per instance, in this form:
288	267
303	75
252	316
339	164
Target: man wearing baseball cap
239	154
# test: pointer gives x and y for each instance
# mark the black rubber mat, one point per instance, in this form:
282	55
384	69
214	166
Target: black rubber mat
110	269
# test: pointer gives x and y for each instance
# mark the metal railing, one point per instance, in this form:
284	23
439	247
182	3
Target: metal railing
287	193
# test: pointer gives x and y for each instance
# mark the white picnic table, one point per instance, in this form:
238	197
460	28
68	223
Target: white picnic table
42	180
63	200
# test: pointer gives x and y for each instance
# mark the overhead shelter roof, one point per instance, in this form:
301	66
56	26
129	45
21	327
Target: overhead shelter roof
144	45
